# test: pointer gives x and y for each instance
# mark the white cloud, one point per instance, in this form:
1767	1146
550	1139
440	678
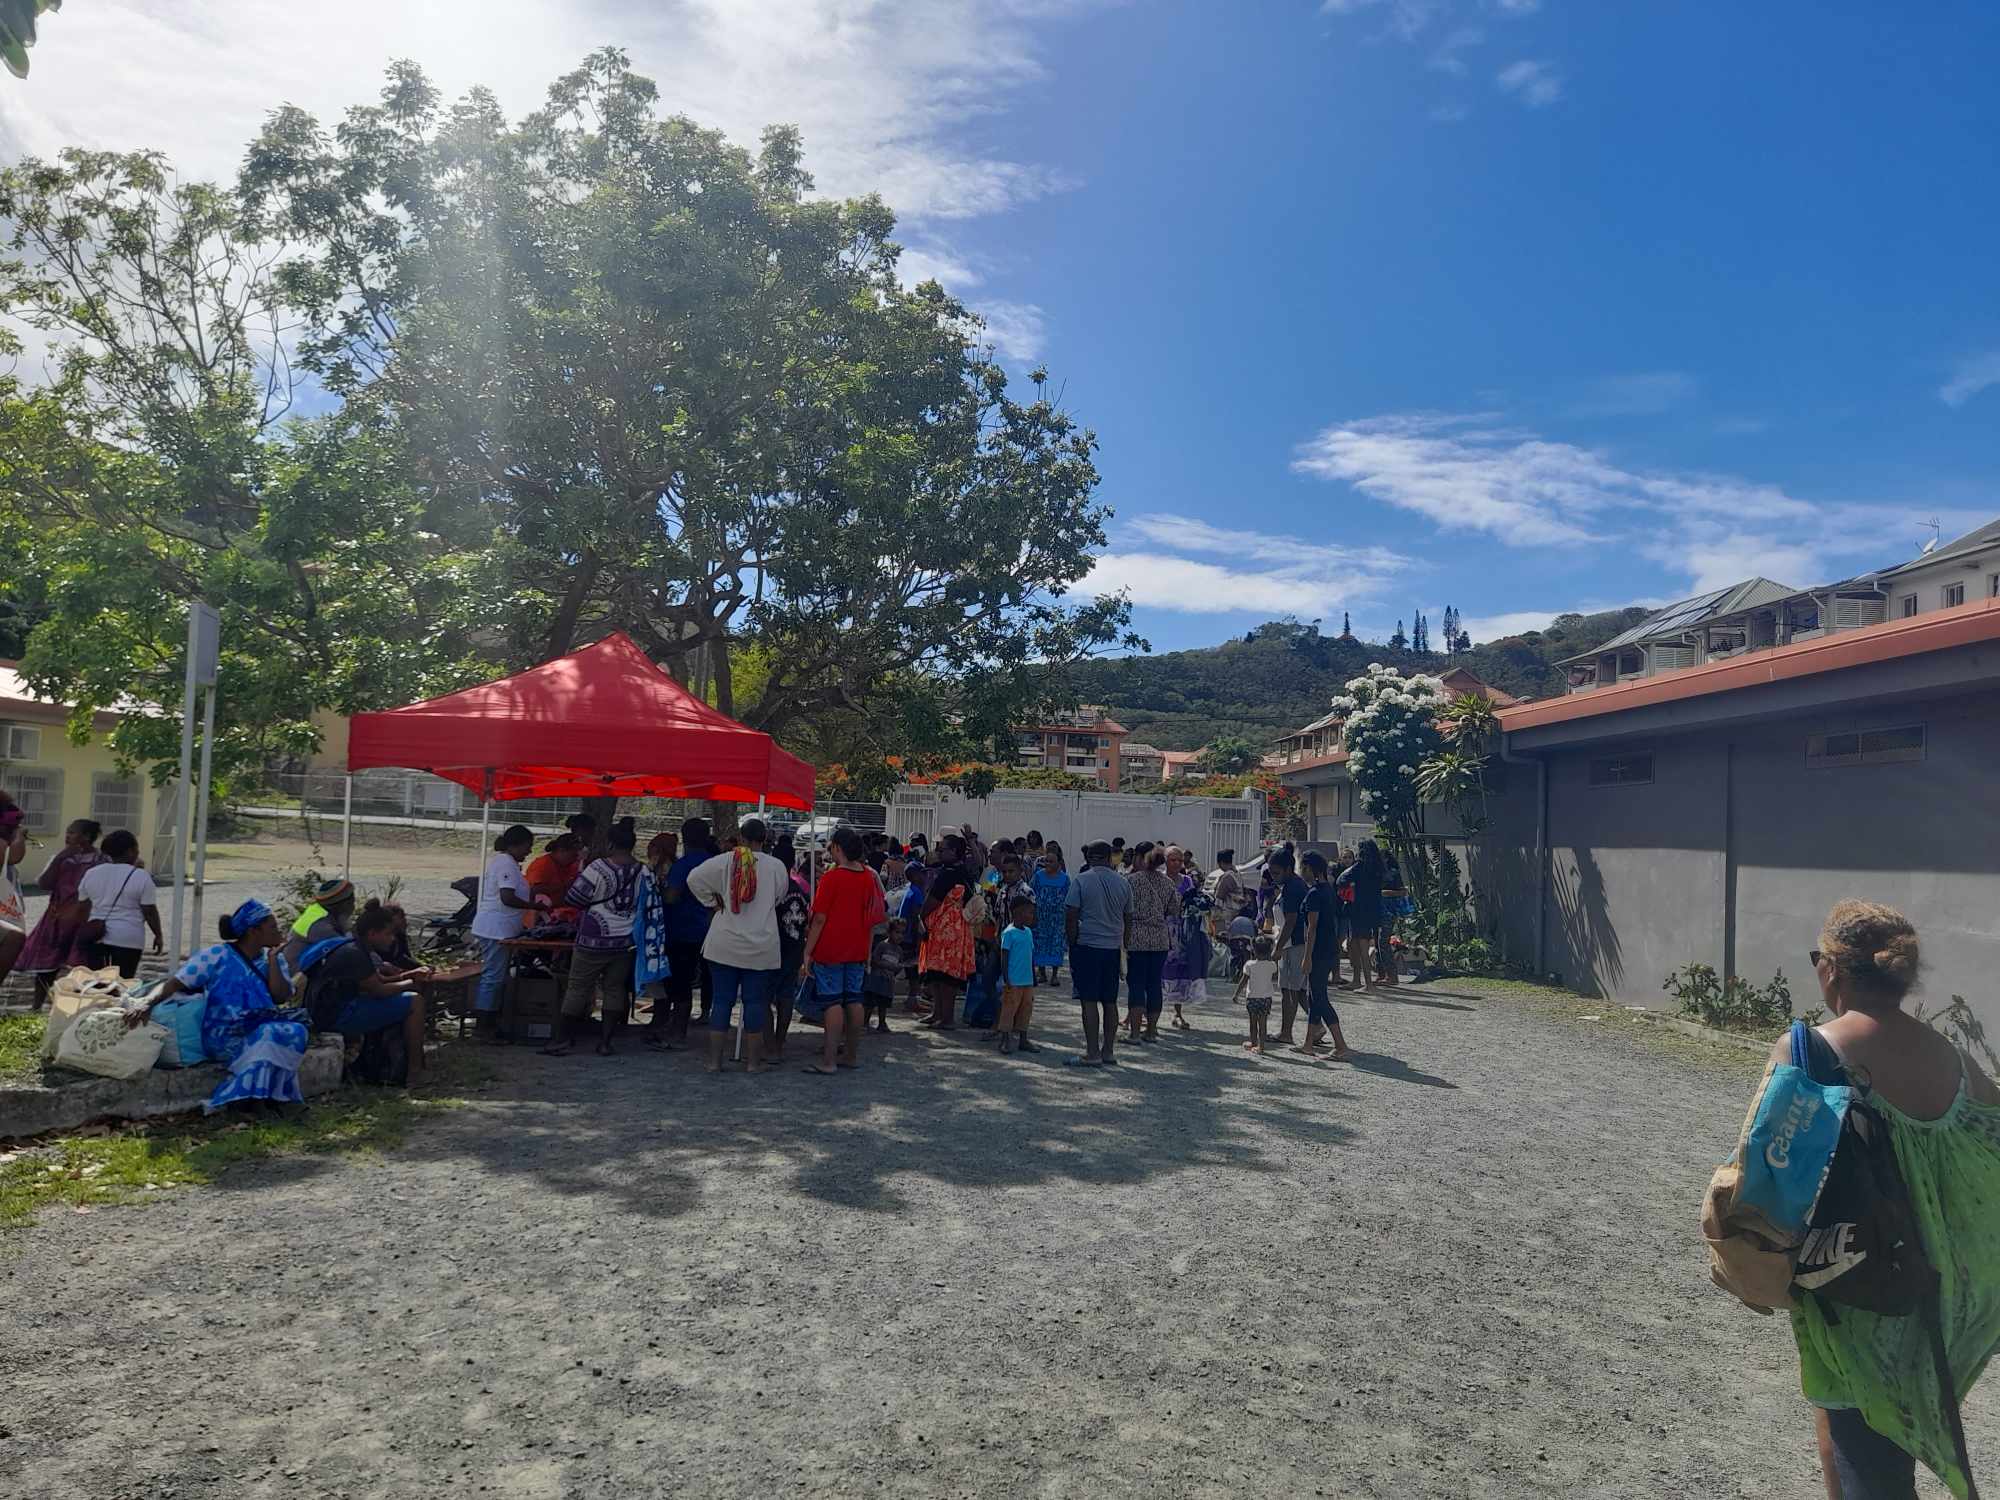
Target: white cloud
882	93
1484	628
1636	395
1469	473
1186	534
1186	586
1310	580
1014	329
1532	80
1407	18
1517	7
1446	58
1974	374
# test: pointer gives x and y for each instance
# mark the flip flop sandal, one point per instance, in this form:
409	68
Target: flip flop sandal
1083	1062
823	1072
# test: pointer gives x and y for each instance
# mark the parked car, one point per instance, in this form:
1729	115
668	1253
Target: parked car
814	832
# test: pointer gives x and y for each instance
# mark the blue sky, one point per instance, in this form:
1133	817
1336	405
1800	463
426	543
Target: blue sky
1376	305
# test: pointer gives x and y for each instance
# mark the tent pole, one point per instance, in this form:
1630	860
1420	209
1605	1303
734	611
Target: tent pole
485	819
347	828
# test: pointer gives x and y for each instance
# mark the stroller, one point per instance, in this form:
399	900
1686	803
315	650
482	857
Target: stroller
450	931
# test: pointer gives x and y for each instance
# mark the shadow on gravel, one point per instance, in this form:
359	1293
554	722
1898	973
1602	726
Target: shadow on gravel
1395	1069
1389	995
649	1129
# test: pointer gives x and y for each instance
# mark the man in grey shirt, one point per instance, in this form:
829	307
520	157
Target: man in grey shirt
1099	920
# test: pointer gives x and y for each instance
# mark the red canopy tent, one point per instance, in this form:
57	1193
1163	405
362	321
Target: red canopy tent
604	721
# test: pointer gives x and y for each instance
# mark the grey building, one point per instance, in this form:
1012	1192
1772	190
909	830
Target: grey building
1714	813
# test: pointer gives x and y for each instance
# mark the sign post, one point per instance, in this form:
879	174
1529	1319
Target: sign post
203	649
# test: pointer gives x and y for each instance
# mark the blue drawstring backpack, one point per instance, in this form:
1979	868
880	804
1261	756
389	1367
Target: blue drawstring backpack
1792	1140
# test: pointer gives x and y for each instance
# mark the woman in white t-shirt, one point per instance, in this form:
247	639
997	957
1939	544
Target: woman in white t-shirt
503	896
742	889
121	904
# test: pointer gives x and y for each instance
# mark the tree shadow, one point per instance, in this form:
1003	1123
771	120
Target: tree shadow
655	1131
1384	1066
1394	995
1594	961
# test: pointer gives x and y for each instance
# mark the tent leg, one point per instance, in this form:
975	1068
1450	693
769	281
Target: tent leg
347	829
485	828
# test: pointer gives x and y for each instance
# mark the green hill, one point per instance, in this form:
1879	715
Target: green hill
1283	674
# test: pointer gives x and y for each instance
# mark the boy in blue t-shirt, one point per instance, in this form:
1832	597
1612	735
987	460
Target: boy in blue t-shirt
1017	999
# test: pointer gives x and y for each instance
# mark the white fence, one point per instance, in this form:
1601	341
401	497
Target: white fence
1073	819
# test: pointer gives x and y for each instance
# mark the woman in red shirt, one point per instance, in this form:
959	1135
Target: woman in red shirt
846	910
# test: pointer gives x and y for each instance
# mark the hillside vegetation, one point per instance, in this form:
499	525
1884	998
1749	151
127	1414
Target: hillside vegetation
1283	675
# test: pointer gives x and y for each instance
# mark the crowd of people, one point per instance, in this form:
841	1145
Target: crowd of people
266	990
702	924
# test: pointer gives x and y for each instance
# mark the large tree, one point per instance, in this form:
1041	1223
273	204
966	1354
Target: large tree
158	463
681	396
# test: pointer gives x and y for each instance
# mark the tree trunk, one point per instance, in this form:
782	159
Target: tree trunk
562	630
725	681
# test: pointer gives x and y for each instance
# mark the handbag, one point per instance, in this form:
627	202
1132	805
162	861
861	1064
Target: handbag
92	931
13	910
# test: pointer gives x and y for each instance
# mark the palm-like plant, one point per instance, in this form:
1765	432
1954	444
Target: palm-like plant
17	31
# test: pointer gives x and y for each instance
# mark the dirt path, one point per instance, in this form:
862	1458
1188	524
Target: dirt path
1465	1266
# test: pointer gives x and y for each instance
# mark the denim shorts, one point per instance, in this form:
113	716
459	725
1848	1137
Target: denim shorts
836	980
1094	973
755	987
366	1013
1869	1464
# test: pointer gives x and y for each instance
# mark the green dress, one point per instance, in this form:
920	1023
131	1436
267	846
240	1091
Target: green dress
1883	1365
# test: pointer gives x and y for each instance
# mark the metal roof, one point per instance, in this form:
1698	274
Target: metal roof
1972	541
1689	613
1974	623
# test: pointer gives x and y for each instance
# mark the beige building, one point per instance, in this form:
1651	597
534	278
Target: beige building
1313	762
1084	742
57	782
1759	615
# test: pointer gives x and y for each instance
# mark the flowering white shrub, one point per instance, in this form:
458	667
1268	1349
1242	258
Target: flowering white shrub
1391	728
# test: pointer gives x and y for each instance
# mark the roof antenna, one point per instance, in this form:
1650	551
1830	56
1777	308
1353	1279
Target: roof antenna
1936	529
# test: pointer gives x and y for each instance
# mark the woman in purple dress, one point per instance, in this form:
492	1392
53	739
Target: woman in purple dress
1185	978
56	943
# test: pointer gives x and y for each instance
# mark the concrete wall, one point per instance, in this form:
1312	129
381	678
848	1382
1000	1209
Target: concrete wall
1734	853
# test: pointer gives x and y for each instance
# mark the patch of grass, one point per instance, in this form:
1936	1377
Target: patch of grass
20	1045
125	1164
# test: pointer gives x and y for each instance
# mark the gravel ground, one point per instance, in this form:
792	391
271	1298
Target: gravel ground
1465	1265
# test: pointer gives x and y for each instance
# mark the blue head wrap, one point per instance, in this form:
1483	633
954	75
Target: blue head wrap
247	916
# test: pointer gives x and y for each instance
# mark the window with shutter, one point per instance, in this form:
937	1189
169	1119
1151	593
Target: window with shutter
1951	596
38	791
115	800
20	742
1622	770
1866	747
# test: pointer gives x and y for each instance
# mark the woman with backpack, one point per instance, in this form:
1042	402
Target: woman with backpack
1873	1375
352	989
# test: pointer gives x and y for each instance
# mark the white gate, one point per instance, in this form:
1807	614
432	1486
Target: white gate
1073	819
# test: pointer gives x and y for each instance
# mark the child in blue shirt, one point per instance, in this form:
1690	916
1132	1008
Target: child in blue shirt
1017	999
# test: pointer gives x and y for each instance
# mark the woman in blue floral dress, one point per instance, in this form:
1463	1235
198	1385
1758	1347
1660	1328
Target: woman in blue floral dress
1051	887
246	1022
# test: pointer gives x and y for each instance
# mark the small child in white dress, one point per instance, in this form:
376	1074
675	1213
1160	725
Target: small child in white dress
1254	990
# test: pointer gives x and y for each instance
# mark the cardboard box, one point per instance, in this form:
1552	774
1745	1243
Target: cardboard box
533	1003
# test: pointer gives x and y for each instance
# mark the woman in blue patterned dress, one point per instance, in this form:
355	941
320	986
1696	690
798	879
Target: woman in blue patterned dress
1051	888
246	1023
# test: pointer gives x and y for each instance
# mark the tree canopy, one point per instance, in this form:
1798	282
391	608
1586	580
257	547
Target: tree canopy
692	401
597	368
